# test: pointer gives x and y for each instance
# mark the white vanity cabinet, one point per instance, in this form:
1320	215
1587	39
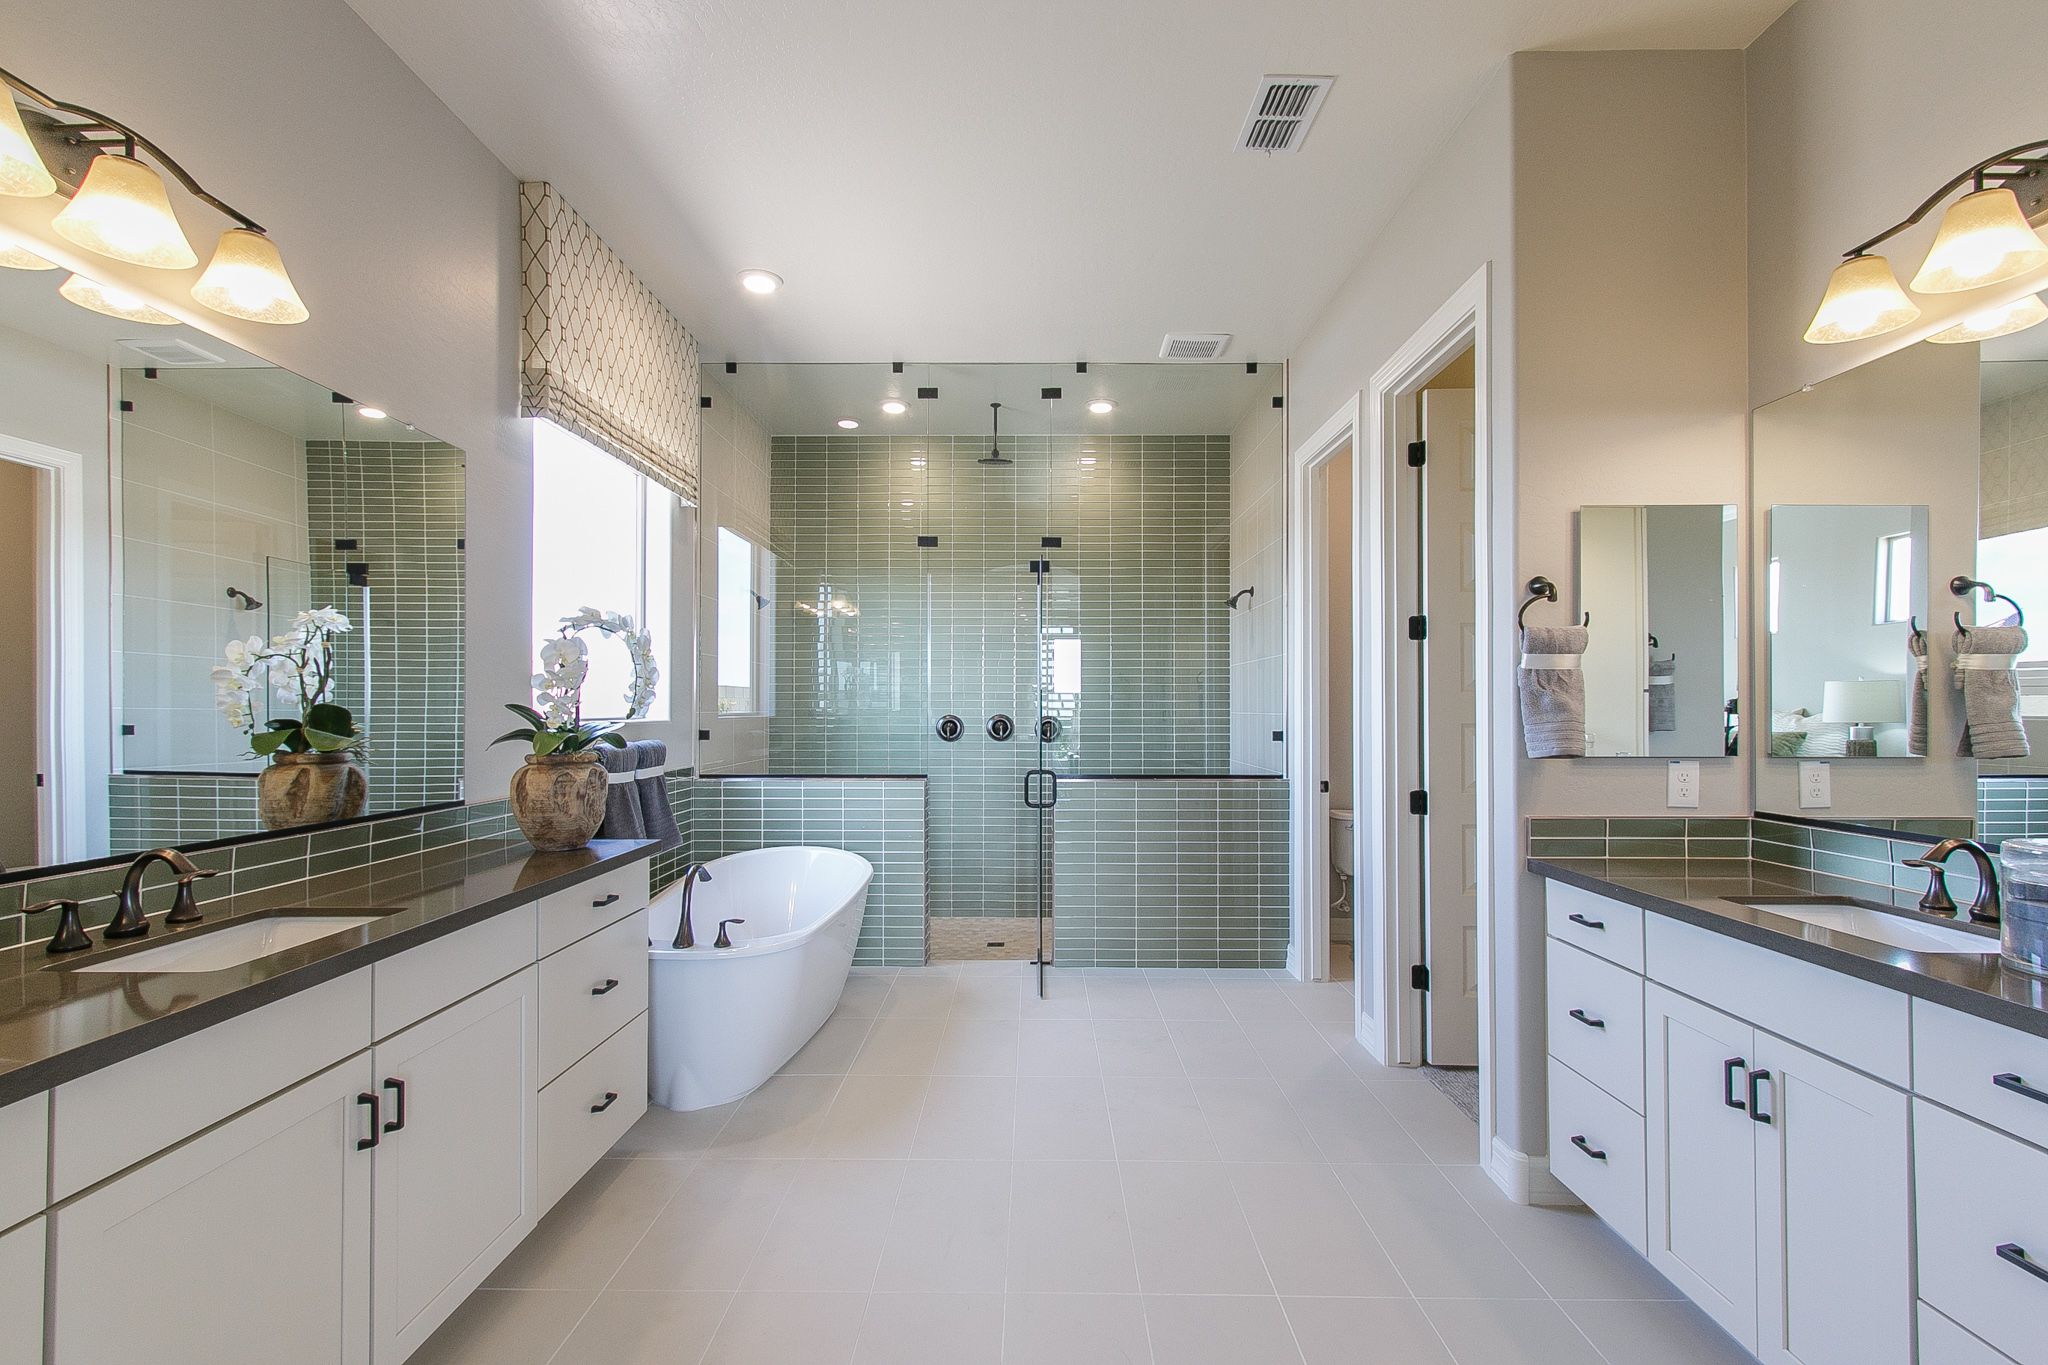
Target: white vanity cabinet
21	1293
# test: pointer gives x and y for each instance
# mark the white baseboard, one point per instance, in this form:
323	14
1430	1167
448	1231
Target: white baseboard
1294	959
1526	1179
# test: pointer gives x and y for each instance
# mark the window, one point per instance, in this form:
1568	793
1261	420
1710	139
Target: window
601	538
1894	577
746	589
2018	565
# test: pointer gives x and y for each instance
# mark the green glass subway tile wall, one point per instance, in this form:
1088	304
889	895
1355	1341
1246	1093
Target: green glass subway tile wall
149	810
883	820
1187	872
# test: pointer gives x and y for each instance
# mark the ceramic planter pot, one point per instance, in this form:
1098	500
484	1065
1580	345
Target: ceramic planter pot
558	800
310	789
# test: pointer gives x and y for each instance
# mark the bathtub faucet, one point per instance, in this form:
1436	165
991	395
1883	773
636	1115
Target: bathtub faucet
692	874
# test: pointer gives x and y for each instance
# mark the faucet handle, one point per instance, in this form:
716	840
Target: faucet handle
70	936
1936	900
724	939
185	908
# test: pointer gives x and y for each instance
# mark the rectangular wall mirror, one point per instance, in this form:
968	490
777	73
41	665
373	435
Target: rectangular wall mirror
1843	589
1660	661
164	494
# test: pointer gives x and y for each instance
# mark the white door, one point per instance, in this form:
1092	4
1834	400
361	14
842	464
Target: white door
1702	1156
1450	933
21	1293
249	1245
456	1164
1834	1201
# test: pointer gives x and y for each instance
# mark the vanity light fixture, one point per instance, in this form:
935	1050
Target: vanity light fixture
121	208
1984	239
760	281
14	257
847	424
895	407
2004	320
115	303
1102	407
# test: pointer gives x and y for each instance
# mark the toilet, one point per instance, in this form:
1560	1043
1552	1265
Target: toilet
1343	841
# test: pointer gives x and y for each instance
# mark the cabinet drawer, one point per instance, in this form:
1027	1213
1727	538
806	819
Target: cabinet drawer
1944	1343
589	989
589	906
24	1159
1959	1060
1609	1176
1977	1190
1606	928
1596	1021
578	1122
21	1294
424	980
135	1108
1865	1026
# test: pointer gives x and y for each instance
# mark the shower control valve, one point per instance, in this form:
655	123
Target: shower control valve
950	728
1001	727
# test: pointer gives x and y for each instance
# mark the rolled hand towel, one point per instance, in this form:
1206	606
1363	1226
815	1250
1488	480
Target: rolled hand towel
1991	691
1664	693
1553	691
1916	696
657	818
621	797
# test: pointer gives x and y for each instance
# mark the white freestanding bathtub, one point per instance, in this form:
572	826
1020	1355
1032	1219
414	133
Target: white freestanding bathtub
723	1020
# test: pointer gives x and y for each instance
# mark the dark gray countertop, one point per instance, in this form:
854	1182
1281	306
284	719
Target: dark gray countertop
1706	892
57	1023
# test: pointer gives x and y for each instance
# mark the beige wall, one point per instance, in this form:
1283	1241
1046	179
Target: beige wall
19	663
1859	109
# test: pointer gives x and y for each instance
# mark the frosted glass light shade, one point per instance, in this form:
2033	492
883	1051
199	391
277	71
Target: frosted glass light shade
1862	701
21	167
14	257
247	279
2004	320
1984	239
1863	299
115	303
122	210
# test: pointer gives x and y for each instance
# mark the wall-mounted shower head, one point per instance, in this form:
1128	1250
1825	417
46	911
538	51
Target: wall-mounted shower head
1235	597
242	600
995	428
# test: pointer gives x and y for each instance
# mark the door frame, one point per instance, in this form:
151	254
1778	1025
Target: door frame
60	629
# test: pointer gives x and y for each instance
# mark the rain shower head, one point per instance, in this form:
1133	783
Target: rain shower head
995	429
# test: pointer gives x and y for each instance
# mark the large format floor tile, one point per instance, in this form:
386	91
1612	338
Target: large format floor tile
1148	1168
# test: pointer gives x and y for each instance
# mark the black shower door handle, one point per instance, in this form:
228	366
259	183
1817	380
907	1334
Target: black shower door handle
1049	789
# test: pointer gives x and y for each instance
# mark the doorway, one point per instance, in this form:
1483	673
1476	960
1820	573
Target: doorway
23	589
1335	537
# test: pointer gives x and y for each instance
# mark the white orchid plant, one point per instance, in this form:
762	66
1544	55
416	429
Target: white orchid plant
555	724
297	667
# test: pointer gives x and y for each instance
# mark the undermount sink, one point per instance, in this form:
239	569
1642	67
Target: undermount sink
218	949
1896	931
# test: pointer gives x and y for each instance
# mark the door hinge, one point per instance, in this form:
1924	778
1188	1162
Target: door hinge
1418	977
1418	803
1418	627
1418	454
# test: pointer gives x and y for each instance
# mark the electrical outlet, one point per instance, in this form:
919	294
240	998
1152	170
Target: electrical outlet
1816	787
1682	784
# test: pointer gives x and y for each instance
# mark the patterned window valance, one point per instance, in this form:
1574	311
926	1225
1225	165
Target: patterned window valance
599	354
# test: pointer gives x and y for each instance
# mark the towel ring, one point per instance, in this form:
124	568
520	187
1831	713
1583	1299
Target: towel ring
1542	589
1963	586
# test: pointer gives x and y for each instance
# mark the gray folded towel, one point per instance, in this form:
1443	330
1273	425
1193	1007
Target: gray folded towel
1664	693
1991	691
657	819
1916	695
621	796
1553	695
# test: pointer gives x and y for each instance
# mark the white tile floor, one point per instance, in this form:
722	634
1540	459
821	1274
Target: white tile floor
1170	1167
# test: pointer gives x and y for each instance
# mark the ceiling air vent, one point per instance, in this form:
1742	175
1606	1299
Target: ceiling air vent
1194	345
1281	113
169	351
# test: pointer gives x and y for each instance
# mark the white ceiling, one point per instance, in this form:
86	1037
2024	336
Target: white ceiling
990	182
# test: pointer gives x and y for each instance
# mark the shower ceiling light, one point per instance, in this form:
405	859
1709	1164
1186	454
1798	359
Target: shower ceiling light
1101	407
1984	239
847	424
2017	316
760	281
21	167
123	211
917	463
374	414
895	407
115	303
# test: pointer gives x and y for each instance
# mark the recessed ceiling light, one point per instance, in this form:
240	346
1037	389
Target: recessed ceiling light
895	407
760	281
374	414
847	424
1101	406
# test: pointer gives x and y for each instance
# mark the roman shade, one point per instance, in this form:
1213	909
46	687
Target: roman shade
599	354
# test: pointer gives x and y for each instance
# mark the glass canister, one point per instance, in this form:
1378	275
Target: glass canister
2024	931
